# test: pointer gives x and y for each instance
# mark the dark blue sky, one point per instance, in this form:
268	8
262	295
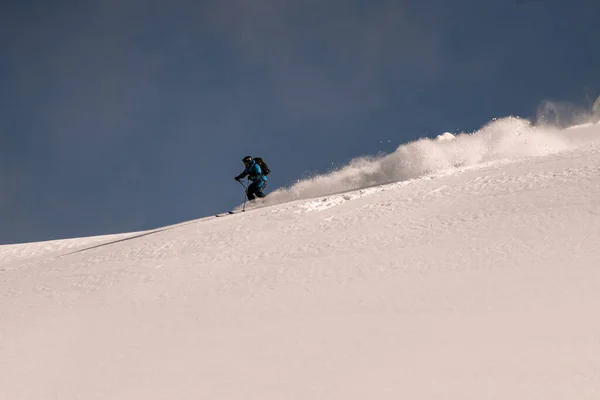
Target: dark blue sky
122	115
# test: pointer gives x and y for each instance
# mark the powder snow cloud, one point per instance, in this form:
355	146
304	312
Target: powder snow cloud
500	140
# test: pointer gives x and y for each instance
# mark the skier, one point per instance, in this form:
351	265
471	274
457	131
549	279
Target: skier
255	174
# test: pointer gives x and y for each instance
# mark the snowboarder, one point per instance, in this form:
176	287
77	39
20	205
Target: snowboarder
255	174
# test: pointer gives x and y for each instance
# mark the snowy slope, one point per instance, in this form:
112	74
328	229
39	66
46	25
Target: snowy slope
474	277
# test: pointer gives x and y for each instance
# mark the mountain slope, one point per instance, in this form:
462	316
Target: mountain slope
480	282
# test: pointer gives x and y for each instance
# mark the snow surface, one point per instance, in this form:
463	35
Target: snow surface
456	268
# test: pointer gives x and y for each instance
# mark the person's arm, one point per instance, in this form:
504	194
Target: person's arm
242	175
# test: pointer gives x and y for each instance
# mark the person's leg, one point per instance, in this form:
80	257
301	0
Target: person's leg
259	191
252	189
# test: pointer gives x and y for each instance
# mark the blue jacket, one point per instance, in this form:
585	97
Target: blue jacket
254	173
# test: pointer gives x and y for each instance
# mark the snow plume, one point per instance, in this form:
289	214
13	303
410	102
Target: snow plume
563	114
503	139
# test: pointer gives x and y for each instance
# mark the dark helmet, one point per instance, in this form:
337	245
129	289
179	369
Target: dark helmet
247	160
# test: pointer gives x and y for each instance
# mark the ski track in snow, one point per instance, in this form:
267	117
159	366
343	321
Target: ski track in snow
478	280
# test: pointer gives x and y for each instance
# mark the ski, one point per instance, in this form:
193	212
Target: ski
228	213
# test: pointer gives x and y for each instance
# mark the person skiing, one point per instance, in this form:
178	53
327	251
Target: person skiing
255	174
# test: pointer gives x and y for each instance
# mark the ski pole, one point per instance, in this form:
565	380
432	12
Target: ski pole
245	195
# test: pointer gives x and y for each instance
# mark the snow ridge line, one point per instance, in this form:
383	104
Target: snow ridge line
115	241
147	233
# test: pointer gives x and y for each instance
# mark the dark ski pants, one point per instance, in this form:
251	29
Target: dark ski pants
255	190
